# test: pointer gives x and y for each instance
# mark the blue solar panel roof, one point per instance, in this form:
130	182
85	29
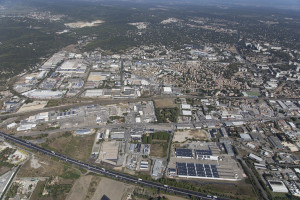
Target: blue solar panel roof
197	170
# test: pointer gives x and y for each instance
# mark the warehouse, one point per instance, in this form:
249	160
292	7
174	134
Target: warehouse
186	112
275	142
157	168
255	157
72	66
185	106
245	137
109	152
228	148
278	186
94	93
144	165
167	90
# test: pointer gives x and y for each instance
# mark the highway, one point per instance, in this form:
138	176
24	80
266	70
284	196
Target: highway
110	173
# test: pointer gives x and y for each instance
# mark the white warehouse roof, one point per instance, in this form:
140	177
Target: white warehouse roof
278	186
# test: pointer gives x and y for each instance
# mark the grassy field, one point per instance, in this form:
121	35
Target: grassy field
242	190
250	93
73	146
38	190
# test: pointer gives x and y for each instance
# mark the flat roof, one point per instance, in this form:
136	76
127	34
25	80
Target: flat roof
197	170
184	152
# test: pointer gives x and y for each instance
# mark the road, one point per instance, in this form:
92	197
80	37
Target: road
164	126
128	100
110	173
86	103
255	179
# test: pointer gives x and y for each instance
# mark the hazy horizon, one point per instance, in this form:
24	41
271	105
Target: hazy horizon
279	4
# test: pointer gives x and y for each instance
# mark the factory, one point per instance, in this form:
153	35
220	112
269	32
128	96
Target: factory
72	66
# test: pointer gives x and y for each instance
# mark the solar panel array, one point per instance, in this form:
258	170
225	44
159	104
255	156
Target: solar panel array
184	153
197	170
203	152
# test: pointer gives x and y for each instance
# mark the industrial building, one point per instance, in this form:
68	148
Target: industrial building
205	155
223	132
228	148
275	142
192	170
109	152
278	186
72	66
94	93
167	90
255	157
144	165
157	168
245	137
25	127
184	153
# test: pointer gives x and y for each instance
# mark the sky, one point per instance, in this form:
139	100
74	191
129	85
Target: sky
285	4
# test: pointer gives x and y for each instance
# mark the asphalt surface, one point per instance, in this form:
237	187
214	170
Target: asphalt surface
110	173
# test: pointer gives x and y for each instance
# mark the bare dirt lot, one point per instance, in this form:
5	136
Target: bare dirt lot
164	103
159	149
182	136
112	189
41	167
80	188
